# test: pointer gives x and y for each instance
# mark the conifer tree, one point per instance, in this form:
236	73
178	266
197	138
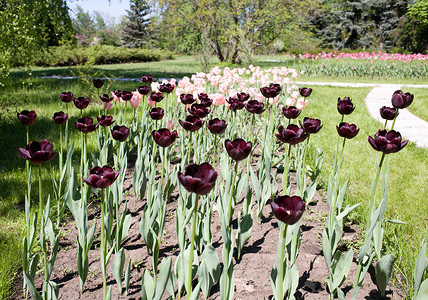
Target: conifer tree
135	33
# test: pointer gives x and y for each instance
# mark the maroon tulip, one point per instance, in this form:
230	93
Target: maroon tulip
401	100
98	83
60	117
118	93
156	113
216	126
291	112
166	88
163	137
187	98
202	96
85	125
146	78
346	130
387	141
192	123
81	102
120	133
345	106
105	98
305	92
255	107
238	149
37	152
198	179
288	209
199	110
143	90
311	125
126	95
243	97
157	97
66	97
26	117
388	113
235	104
271	91
105	121
292	135
100	178
206	102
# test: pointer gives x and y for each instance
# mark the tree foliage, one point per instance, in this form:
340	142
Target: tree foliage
135	33
30	26
231	26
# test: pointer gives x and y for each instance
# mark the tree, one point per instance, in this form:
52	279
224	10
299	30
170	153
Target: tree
135	33
230	26
28	27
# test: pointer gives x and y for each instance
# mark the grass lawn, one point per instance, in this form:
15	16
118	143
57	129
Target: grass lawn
420	103
407	183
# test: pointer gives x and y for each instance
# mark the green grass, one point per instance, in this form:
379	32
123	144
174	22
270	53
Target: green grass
406	182
419	106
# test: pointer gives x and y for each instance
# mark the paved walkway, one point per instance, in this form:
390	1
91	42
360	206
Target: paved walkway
410	126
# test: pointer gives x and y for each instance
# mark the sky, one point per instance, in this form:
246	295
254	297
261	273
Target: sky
114	8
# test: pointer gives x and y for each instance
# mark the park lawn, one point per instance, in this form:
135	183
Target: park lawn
406	183
420	103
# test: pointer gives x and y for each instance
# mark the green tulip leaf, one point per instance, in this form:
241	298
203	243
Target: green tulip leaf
421	265
243	233
209	269
164	276
117	267
423	291
147	286
29	281
127	276
383	272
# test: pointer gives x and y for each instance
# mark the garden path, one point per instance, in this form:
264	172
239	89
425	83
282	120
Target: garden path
410	126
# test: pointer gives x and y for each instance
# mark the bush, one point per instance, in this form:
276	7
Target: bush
98	55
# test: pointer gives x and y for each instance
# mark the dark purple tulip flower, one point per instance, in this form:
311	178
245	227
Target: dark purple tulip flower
163	137
105	98
198	179
60	118
37	152
243	97
311	125
192	123
387	141
288	209
100	178
388	113
216	126
292	135
81	102
27	117
238	149
199	110
143	90
205	100
120	133
202	96
305	92
187	98
271	91
118	93
105	121
146	78
126	95
157	97
345	106
98	83
255	107
235	104
66	97
166	88
401	100
156	113
85	125
291	112
346	130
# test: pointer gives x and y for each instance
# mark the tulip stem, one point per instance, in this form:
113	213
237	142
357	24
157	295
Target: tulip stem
27	168
281	266
103	246
343	154
384	126
374	189
232	191
286	169
190	147
192	241
40	192
215	149
395	118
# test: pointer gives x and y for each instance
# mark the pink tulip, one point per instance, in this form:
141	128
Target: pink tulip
135	100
